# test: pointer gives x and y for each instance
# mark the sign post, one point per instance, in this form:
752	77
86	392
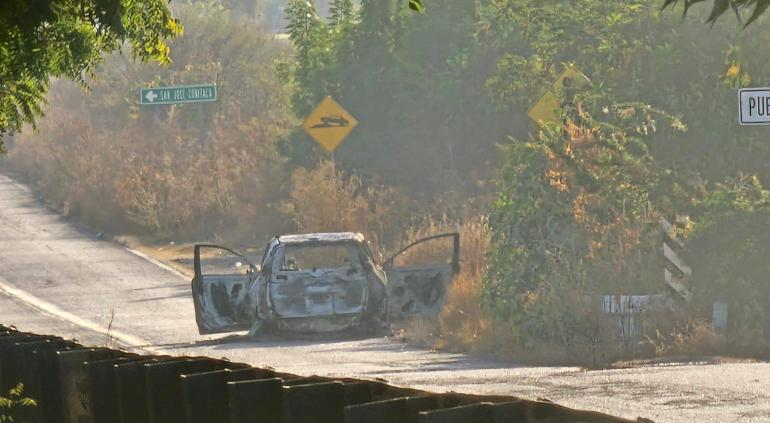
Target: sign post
178	94
754	106
329	124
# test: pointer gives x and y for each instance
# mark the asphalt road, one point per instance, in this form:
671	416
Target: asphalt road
58	279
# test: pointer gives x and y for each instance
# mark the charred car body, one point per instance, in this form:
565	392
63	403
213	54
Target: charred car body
315	283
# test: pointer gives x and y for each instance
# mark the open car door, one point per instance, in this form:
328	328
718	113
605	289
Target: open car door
221	289
419	275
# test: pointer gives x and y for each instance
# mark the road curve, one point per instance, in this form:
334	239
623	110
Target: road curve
58	279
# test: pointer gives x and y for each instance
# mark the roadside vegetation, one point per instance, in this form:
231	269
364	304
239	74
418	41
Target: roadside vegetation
15	407
175	170
552	217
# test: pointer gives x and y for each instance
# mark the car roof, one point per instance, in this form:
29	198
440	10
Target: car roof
322	237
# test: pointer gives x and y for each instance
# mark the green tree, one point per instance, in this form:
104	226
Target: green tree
719	7
632	52
310	36
578	202
726	237
416	85
67	38
575	217
340	12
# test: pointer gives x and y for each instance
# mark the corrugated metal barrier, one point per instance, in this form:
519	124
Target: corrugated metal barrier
77	384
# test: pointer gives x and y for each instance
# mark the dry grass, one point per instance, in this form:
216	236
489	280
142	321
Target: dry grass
692	337
119	182
463	325
324	199
700	339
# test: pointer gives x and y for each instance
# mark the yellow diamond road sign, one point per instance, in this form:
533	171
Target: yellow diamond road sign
548	108
571	78
329	124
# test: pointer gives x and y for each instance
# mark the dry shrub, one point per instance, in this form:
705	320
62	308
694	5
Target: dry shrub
437	251
189	171
124	179
463	325
677	333
700	338
687	337
71	161
324	199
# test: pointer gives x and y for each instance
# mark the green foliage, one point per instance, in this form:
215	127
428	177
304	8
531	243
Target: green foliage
537	39
341	12
543	239
267	14
66	38
727	249
414	82
14	407
307	32
719	7
574	218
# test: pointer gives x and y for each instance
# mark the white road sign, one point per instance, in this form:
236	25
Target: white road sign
754	106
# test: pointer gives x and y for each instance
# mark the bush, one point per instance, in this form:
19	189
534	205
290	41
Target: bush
324	199
726	245
464	324
574	219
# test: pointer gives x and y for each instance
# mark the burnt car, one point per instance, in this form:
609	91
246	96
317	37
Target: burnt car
318	283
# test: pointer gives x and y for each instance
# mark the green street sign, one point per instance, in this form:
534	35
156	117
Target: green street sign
179	94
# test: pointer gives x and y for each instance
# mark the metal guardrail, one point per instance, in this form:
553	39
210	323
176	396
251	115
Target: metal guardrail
73	383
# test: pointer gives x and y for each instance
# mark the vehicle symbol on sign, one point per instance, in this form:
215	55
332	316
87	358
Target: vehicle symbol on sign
332	121
329	123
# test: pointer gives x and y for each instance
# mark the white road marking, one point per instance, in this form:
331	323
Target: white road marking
56	311
158	263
